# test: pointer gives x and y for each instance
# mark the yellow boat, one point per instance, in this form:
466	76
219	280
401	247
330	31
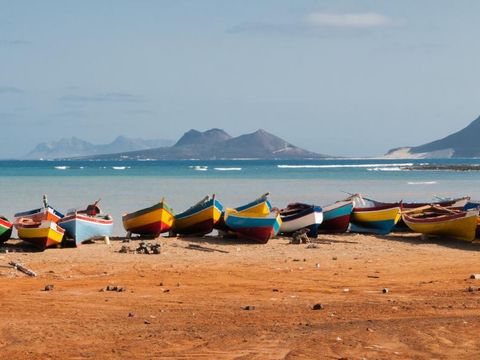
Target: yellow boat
435	220
41	234
153	220
200	219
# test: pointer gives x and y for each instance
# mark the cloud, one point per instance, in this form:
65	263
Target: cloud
317	24
103	97
16	42
359	20
10	90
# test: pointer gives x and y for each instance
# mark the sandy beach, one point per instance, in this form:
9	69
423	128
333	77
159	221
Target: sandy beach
186	303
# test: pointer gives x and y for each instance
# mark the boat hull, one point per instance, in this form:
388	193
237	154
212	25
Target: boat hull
6	228
43	235
248	226
376	220
309	218
460	226
154	220
82	228
336	217
38	215
260	206
198	221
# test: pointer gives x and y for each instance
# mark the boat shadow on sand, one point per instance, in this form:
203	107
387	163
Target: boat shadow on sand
18	246
419	239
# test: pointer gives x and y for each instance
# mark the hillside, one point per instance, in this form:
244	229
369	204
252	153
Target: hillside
74	147
462	144
217	144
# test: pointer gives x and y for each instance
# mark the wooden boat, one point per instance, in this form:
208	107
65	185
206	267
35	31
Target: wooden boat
436	220
336	217
154	220
373	217
42	234
260	228
37	215
299	216
260	206
5	229
87	224
199	219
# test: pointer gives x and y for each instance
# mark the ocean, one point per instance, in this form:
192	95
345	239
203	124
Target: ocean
125	186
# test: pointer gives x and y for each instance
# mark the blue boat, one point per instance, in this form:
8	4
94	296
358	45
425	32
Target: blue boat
299	216
260	228
87	224
200	219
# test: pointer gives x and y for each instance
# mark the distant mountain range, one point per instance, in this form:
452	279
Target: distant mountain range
74	147
217	144
462	144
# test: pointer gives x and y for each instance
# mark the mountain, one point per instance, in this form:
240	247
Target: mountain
217	144
74	147
462	144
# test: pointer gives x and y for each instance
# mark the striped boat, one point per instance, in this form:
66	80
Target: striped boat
260	206
199	219
42	234
299	216
260	228
5	229
87	224
154	220
37	215
435	220
373	217
336	217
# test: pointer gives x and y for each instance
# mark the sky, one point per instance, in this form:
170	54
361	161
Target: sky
340	77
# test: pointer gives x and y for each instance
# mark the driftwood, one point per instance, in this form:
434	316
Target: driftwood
203	248
22	268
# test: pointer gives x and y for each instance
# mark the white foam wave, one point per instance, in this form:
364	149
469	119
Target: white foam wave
422	182
62	167
228	169
120	167
199	167
397	168
333	166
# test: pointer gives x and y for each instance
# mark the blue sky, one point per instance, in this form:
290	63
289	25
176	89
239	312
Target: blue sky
351	78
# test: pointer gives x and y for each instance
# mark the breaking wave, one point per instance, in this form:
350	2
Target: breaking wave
228	168
422	182
62	167
333	166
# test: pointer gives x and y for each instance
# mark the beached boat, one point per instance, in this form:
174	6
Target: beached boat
336	217
299	216
46	212
259	206
199	219
435	220
373	217
154	220
42	234
87	224
5	229
260	228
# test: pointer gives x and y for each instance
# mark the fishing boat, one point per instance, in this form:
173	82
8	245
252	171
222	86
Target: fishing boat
87	224
437	220
251	226
42	234
373	217
336	217
154	220
260	206
299	216
46	212
199	219
5	229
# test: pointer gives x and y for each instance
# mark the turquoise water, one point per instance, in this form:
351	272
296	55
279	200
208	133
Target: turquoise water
125	186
